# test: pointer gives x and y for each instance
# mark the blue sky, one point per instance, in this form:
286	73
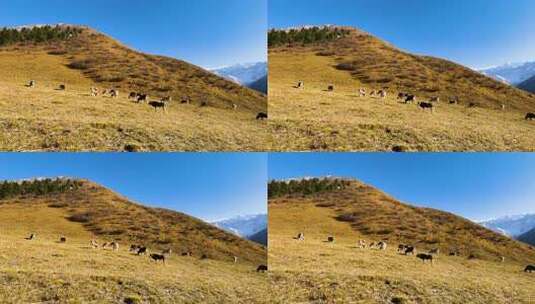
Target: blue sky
476	33
477	186
209	33
210	186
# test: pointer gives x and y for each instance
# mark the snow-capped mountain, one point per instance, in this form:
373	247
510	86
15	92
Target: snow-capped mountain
243	225
511	73
512	226
244	74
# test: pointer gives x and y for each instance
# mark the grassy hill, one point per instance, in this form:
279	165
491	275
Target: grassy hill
528	85
44	118
316	119
315	271
45	270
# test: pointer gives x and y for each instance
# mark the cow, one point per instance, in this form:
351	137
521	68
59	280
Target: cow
409	250
114	93
361	244
426	105
382	94
402	95
502	259
410	98
132	95
61	87
300	236
261	116
381	245
454	100
31	237
330	88
235	259
529	268
425	257
114	246
134	248
141	251
141	98
262	268
362	92
157	257
185	100
373	93
401	247
330	239
31	84
434	251
62	239
300	85
186	253
234	107
93	244
530	116
158	104
93	91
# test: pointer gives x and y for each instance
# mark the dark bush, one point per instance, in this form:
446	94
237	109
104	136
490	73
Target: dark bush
80	218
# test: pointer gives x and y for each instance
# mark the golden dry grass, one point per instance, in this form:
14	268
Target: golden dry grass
314	271
45	119
314	119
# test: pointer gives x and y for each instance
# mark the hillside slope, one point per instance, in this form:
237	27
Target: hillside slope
313	118
528	85
44	118
528	237
316	271
45	270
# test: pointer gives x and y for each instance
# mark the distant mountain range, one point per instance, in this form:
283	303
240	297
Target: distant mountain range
511	73
512	226
252	75
528	85
252	227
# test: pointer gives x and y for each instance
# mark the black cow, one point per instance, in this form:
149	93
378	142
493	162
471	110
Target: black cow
261	116
141	97
426	105
330	88
410	98
158	104
409	250
425	257
141	250
330	239
262	268
62	239
530	116
157	257
529	268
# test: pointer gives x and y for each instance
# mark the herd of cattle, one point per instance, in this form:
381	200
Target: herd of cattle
141	251
407	98
137	97
428	255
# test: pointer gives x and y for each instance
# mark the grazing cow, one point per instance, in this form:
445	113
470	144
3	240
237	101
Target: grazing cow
167	99
361	244
330	88
401	247
409	250
142	251
426	105
61	87
157	257
300	236
158	104
362	92
167	251
425	257
382	93
185	100
261	268
530	116
93	244
93	92
31	84
235	259
114	246
133	95
434	251
300	85
31	237
261	116
381	245
529	268
62	239
141	98
434	99
330	239
410	98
